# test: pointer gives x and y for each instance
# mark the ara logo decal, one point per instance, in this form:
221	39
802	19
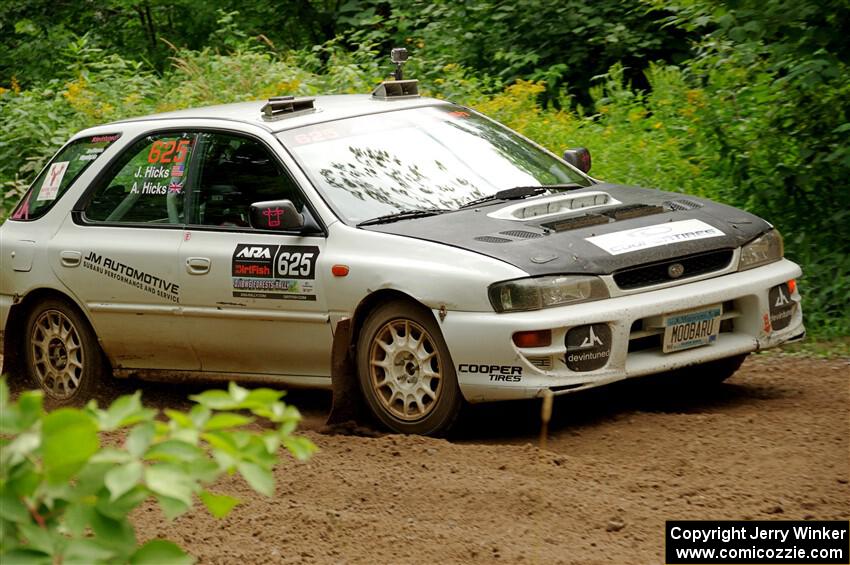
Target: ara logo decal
254	252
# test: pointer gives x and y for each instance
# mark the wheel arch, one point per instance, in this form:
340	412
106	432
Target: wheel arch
372	301
14	331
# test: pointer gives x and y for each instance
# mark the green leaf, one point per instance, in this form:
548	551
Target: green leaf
124	504
125	411
180	418
219	505
173	450
121	479
11	507
22	556
171	507
112	532
225	420
139	439
171	481
4	393
237	393
31	407
300	447
215	400
77	518
37	538
160	552
86	552
69	438
261	480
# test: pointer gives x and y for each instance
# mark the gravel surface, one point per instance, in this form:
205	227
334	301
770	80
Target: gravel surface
771	443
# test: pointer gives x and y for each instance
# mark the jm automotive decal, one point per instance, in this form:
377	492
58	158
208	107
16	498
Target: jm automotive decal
283	272
134	277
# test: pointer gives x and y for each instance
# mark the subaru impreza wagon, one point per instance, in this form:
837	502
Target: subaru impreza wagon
464	261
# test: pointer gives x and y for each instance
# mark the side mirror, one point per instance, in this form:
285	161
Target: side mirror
579	158
278	215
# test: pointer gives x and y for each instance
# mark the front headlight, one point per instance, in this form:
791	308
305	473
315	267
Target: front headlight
762	250
545	292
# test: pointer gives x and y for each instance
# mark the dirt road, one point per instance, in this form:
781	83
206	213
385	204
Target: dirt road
772	443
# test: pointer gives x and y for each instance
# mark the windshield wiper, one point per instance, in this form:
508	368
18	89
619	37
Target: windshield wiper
403	215
520	192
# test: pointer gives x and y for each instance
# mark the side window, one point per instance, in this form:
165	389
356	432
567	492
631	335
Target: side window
63	170
146	184
235	172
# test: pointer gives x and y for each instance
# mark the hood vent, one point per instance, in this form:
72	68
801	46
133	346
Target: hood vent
630	211
682	204
492	239
521	234
577	222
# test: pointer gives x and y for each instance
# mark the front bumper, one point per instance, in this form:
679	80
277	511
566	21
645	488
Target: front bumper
490	367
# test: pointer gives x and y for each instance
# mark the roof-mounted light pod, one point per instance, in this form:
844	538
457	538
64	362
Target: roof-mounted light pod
398	88
283	106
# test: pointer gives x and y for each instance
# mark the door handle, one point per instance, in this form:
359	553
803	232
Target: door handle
70	258
198	265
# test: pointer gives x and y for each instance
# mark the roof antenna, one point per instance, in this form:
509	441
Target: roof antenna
399	56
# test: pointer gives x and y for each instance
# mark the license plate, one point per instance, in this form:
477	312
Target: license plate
684	330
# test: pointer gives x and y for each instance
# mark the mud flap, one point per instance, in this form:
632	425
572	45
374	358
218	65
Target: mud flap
348	406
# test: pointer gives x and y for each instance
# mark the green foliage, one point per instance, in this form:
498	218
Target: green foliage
65	497
746	103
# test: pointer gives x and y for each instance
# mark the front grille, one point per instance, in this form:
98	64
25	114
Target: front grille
656	273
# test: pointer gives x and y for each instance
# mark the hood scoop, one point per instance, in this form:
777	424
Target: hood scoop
541	208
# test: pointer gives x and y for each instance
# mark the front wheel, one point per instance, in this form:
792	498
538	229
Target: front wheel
62	355
405	371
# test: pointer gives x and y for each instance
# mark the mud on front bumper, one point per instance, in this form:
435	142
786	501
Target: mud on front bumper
491	367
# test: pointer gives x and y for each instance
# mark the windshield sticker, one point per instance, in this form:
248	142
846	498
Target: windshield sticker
105	138
91	154
656	235
126	274
282	272
50	186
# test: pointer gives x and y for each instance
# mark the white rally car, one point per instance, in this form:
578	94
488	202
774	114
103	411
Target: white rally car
442	254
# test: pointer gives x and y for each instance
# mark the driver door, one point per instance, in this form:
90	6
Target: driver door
254	298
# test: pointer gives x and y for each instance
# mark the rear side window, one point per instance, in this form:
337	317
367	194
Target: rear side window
60	174
146	184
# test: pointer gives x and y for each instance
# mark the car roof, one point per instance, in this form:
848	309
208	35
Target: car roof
327	108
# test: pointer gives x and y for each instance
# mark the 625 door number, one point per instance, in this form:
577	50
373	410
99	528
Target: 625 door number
296	262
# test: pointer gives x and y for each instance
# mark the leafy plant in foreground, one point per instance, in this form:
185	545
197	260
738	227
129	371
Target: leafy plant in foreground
65	497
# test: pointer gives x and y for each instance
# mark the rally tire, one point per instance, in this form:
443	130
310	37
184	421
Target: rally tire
405	372
62	356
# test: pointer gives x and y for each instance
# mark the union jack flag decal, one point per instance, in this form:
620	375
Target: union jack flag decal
175	187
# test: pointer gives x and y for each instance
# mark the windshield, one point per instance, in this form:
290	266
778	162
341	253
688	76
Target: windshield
418	159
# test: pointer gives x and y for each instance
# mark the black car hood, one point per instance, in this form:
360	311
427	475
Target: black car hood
558	244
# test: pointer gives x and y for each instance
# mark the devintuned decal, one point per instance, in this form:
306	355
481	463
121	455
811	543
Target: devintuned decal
654	236
503	373
284	272
588	347
134	277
